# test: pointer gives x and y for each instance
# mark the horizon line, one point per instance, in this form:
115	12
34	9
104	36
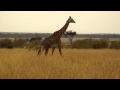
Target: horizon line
51	33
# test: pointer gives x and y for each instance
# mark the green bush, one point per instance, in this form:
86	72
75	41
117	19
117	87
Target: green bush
10	46
115	45
99	44
91	43
19	43
5	42
86	43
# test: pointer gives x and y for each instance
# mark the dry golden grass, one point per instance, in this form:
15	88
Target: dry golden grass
75	64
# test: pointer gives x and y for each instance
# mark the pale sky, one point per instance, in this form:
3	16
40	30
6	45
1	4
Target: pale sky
87	22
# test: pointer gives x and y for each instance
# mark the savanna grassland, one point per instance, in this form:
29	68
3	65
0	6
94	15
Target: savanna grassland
75	64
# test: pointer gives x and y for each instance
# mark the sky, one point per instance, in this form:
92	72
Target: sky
87	22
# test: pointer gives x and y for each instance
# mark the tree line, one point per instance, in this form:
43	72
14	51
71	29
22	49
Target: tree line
96	44
44	35
78	44
20	42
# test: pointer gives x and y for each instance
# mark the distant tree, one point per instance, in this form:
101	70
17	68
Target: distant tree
37	38
70	34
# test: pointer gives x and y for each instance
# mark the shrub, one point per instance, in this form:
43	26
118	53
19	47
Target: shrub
86	43
115	45
10	46
91	43
19	42
4	43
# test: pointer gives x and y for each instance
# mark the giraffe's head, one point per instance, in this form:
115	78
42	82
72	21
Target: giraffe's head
71	20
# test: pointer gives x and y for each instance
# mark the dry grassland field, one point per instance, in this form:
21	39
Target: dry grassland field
75	64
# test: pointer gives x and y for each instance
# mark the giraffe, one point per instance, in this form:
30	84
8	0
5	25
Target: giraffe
54	40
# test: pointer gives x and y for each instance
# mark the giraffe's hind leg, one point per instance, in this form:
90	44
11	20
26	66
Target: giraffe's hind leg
53	48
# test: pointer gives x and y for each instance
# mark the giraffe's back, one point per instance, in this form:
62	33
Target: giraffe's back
50	41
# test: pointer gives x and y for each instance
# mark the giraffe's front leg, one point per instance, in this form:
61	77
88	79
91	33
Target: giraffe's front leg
46	51
40	50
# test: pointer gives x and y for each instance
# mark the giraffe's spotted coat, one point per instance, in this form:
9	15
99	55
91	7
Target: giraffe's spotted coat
54	41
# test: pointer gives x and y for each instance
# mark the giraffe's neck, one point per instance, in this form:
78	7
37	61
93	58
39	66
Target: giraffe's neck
64	28
60	32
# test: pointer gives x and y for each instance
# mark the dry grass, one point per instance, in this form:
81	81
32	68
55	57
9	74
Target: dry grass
75	63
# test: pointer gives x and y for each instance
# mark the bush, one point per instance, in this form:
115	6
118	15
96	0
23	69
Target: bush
86	43
34	43
4	43
10	46
115	45
19	42
91	43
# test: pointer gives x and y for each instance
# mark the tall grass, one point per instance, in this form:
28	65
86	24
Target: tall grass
75	63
